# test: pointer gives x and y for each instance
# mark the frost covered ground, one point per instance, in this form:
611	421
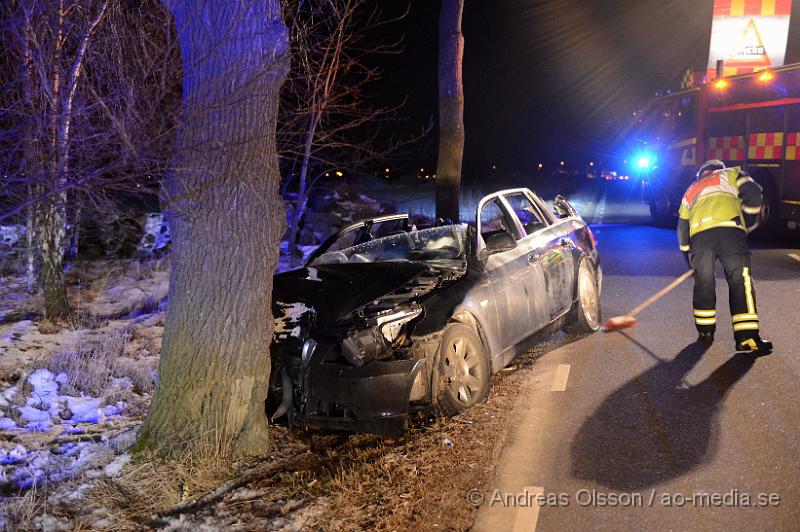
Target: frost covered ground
72	395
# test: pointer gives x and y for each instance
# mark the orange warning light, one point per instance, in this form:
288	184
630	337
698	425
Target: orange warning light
721	84
765	77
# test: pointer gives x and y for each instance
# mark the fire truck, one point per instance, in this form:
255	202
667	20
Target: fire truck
750	120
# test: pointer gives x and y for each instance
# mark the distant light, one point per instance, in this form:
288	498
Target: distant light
421	169
541	166
562	163
386	170
339	173
643	162
766	76
721	84
494	167
327	174
591	163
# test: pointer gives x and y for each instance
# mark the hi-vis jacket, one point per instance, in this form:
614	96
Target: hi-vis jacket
726	198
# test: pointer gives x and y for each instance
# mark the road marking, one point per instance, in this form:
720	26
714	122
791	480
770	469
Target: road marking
562	374
795	257
528	514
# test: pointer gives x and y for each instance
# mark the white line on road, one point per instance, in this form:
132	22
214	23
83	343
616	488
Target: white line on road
562	374
794	256
528	514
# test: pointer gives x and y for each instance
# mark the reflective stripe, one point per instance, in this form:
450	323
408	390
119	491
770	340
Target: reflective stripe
744	317
729	223
705	313
705	321
748	290
748	326
684	248
751	210
742	180
750	343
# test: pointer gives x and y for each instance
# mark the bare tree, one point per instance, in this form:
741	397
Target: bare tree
55	41
327	122
87	104
451	110
226	222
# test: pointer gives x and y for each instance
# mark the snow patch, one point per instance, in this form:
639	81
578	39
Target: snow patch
11	234
156	237
115	468
13	456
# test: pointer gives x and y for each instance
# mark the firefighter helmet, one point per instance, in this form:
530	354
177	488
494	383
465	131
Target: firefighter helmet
710	166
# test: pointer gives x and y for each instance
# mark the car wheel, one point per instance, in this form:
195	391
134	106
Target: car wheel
585	316
462	371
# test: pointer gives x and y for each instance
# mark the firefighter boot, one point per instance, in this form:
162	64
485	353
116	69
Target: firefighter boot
706	339
754	344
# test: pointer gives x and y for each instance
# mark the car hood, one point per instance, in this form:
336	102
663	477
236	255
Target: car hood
333	291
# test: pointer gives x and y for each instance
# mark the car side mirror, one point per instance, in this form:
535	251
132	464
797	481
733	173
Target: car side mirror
562	208
499	242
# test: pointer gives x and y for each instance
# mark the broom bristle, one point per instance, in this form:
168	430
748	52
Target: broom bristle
620	322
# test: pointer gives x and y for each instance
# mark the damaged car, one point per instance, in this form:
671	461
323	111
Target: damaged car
387	320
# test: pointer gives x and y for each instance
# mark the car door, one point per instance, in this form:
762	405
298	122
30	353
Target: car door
557	258
508	271
534	224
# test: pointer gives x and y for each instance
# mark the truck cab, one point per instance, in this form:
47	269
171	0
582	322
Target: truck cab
750	120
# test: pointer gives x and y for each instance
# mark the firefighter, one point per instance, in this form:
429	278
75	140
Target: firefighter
717	211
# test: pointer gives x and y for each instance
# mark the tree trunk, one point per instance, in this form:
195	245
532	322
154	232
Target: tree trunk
73	232
30	250
451	110
50	234
31	152
226	221
302	192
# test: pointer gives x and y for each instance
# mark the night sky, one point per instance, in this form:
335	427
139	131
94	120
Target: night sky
547	80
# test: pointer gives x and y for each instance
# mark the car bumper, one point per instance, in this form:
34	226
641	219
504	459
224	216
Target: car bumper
373	398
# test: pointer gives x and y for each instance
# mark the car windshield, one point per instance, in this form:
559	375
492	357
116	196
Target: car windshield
445	243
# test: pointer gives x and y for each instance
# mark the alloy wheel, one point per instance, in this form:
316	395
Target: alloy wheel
587	292
463	371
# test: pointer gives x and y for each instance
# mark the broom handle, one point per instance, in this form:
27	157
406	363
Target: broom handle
658	295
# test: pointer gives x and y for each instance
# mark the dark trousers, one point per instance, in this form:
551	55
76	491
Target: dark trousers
729	245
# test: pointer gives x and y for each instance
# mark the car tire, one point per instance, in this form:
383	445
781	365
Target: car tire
585	314
462	371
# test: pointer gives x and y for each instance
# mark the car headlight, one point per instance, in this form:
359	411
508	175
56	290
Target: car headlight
390	325
375	340
308	349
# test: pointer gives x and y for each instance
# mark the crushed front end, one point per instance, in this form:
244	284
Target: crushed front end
363	372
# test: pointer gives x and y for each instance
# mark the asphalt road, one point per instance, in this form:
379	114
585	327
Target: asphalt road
642	430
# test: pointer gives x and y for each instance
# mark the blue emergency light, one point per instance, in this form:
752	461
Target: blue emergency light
644	162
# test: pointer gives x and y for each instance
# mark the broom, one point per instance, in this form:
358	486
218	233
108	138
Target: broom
629	320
